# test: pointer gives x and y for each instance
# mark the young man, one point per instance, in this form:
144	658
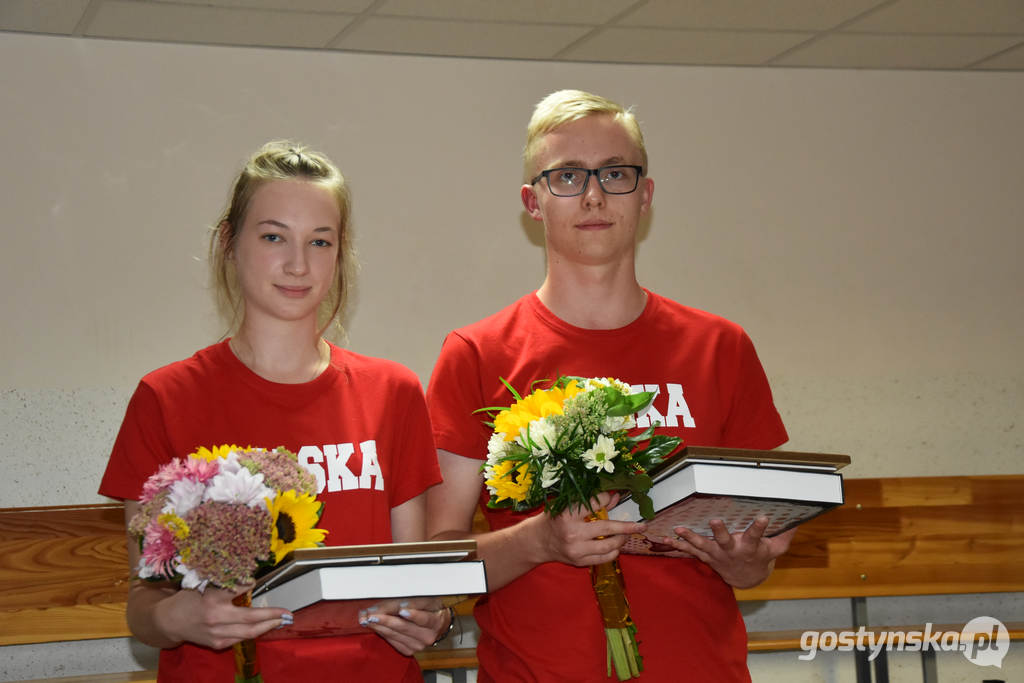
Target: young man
586	181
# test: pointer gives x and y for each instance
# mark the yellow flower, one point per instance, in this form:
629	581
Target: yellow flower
208	454
293	518
175	524
509	481
538	405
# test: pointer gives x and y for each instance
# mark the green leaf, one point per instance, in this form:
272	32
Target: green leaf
645	504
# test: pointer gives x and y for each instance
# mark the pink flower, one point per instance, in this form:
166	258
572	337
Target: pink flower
164	477
159	548
200	470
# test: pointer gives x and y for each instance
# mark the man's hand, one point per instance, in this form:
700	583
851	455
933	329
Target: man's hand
572	538
744	559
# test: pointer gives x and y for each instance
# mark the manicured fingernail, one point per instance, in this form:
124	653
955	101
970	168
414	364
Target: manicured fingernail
371	609
404	603
404	613
374	620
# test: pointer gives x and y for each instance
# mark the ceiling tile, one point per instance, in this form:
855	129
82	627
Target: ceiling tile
667	46
333	6
41	16
458	38
945	16
586	12
792	15
896	52
1011	59
215	25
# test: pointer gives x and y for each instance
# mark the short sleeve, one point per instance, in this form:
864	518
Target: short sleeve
419	468
453	395
753	420
142	446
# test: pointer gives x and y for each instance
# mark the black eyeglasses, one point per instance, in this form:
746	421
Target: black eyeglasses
570	181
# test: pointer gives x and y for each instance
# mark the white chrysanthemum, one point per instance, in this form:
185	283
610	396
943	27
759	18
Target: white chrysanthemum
495	447
145	570
239	487
229	464
550	473
489	476
617	424
542	434
190	578
184	495
599	456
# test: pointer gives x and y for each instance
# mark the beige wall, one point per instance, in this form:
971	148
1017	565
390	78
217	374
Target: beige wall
865	227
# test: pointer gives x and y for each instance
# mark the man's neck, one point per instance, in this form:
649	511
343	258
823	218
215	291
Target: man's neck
594	300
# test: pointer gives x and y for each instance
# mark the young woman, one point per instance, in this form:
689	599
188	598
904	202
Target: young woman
281	257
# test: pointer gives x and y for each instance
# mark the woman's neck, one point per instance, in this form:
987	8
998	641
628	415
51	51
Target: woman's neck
285	354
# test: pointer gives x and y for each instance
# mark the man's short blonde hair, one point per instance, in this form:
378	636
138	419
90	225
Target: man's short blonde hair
565	106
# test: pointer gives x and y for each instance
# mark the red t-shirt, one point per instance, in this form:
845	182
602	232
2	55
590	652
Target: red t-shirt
361	428
545	625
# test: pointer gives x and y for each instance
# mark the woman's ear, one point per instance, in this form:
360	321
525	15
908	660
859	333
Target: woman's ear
226	242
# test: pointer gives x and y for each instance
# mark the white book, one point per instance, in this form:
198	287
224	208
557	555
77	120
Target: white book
697	492
326	588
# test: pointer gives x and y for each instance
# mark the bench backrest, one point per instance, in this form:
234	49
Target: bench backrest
908	536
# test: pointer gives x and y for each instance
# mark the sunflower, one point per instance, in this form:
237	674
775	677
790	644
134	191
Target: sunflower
293	518
539	404
509	481
209	454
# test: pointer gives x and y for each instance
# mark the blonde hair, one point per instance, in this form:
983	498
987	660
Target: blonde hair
564	106
280	160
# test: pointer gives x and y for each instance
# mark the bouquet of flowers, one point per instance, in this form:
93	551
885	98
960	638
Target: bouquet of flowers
558	447
223	517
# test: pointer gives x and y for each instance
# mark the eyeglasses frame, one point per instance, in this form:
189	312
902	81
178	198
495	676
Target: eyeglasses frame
590	172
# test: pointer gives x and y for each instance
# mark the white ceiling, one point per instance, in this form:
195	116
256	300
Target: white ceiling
873	34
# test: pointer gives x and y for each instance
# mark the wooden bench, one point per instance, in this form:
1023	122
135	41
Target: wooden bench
63	570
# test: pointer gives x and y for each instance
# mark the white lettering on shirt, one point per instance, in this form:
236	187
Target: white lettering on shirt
676	407
330	466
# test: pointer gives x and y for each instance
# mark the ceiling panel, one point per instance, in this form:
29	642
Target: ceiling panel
783	15
667	46
466	38
1012	59
216	25
585	12
336	6
41	16
902	52
945	16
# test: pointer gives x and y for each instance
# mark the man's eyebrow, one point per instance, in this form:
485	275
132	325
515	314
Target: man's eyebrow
576	163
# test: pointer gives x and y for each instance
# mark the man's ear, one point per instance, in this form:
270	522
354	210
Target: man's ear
647	187
529	197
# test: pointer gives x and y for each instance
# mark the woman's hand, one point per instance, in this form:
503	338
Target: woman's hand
408	625
209	618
